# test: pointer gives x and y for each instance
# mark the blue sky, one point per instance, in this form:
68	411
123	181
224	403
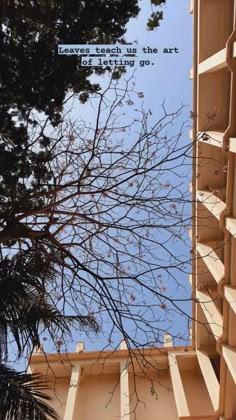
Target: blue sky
167	80
170	78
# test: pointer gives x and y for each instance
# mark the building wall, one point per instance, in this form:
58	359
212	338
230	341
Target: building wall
98	398
59	392
152	396
213	186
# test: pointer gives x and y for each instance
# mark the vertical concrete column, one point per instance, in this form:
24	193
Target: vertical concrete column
80	347
73	387
191	7
180	399
72	393
168	342
191	335
38	350
124	387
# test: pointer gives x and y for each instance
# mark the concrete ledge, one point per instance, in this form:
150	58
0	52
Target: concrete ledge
191	7
230	225
211	312
230	295
214	138
213	203
229	355
213	63
234	50
180	399
212	261
232	144
210	378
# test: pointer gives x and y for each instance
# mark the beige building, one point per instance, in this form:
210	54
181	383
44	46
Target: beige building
198	382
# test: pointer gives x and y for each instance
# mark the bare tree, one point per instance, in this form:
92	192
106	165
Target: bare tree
94	223
109	214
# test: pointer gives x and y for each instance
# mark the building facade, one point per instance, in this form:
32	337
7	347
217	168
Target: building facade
199	381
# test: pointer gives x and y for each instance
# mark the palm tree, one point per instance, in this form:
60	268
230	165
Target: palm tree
21	396
26	310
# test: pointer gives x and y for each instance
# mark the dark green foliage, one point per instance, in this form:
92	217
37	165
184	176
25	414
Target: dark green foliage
28	309
32	75
22	397
26	305
154	20
158	2
18	163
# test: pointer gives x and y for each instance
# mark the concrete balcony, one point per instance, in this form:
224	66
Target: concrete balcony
188	394
212	313
212	261
211	164
203	277
214	97
216	62
211	202
216	24
208	230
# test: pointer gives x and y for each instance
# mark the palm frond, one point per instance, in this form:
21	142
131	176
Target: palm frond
21	396
26	307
